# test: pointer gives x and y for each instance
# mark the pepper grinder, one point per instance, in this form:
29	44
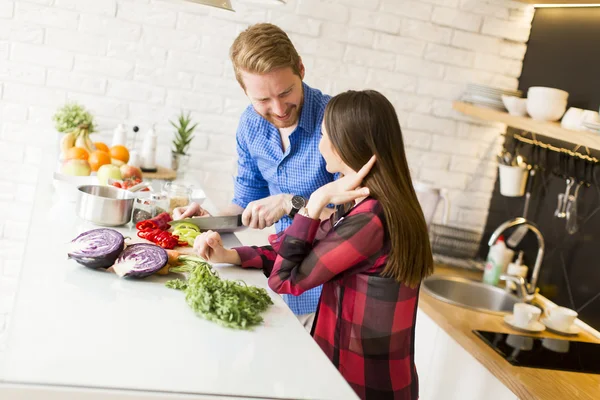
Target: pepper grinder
149	151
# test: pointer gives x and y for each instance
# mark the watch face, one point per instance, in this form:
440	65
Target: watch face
298	202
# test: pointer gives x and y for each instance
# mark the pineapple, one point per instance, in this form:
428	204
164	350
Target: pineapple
183	134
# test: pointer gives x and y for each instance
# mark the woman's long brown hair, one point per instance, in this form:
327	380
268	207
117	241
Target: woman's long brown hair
363	123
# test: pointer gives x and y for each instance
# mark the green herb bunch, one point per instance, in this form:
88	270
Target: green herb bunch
183	133
229	303
72	116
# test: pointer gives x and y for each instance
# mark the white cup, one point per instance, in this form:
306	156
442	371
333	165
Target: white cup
512	180
525	314
561	317
572	118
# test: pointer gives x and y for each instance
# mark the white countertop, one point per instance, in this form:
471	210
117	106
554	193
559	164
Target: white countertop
74	327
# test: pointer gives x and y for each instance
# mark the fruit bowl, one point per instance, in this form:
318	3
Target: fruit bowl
66	186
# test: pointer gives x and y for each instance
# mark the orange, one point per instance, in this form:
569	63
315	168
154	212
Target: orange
77	153
101	146
120	153
98	158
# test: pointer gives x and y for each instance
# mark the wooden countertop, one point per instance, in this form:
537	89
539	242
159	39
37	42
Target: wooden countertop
526	383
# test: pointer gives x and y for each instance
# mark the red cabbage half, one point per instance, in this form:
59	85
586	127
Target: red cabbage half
140	260
98	248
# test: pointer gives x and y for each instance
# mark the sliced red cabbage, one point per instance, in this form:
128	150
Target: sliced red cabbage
140	260
98	248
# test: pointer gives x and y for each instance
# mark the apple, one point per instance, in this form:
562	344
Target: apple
75	167
108	171
130	172
116	162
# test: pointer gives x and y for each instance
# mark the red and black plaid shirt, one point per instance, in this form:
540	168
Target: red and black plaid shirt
365	323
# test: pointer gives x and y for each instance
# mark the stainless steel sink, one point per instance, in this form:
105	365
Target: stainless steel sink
470	294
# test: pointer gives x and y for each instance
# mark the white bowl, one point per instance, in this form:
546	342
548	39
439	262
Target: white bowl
66	185
515	105
546	104
545	110
548	93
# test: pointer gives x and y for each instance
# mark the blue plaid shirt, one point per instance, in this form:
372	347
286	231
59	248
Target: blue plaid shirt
265	170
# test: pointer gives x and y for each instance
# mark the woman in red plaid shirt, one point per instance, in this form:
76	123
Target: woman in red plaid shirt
370	256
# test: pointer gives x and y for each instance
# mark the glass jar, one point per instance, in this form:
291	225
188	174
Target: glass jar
160	203
143	209
179	195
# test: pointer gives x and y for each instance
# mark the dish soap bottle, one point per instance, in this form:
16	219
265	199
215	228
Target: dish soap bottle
496	262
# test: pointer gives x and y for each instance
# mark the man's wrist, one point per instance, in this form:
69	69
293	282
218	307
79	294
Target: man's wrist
286	203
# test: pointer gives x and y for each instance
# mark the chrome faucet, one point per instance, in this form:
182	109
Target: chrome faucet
525	291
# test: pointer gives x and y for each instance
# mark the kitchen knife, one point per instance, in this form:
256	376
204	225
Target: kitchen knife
223	224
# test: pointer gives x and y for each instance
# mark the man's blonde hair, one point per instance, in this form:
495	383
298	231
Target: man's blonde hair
261	49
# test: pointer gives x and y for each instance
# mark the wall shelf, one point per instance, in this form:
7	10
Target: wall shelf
552	130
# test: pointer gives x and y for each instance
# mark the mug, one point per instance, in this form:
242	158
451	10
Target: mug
561	317
525	314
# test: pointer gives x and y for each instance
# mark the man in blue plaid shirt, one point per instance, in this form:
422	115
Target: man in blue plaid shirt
279	163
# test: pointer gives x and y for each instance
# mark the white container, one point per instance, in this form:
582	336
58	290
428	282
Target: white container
512	180
546	104
119	136
516	269
135	159
497	260
515	105
149	150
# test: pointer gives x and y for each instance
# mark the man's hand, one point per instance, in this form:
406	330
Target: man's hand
191	210
265	212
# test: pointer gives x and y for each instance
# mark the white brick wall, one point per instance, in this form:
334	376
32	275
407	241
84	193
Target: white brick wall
139	61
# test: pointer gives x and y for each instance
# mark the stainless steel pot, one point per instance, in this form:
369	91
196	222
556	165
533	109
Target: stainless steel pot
105	205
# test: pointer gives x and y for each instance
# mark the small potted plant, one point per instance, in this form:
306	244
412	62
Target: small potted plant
184	133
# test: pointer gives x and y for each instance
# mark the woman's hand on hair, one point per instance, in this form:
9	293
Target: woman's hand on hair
341	191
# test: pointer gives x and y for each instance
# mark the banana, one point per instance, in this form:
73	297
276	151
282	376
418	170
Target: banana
90	145
67	141
80	142
83	140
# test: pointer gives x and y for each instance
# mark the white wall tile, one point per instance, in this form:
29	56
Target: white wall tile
377	21
456	19
426	31
412	9
516	31
109	27
46	16
6	9
45	56
101	7
398	44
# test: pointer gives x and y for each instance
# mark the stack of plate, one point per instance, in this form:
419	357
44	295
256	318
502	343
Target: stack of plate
592	126
487	96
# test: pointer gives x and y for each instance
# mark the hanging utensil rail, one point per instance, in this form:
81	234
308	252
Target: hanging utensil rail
572	153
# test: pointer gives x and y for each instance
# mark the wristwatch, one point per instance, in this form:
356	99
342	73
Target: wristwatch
298	202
